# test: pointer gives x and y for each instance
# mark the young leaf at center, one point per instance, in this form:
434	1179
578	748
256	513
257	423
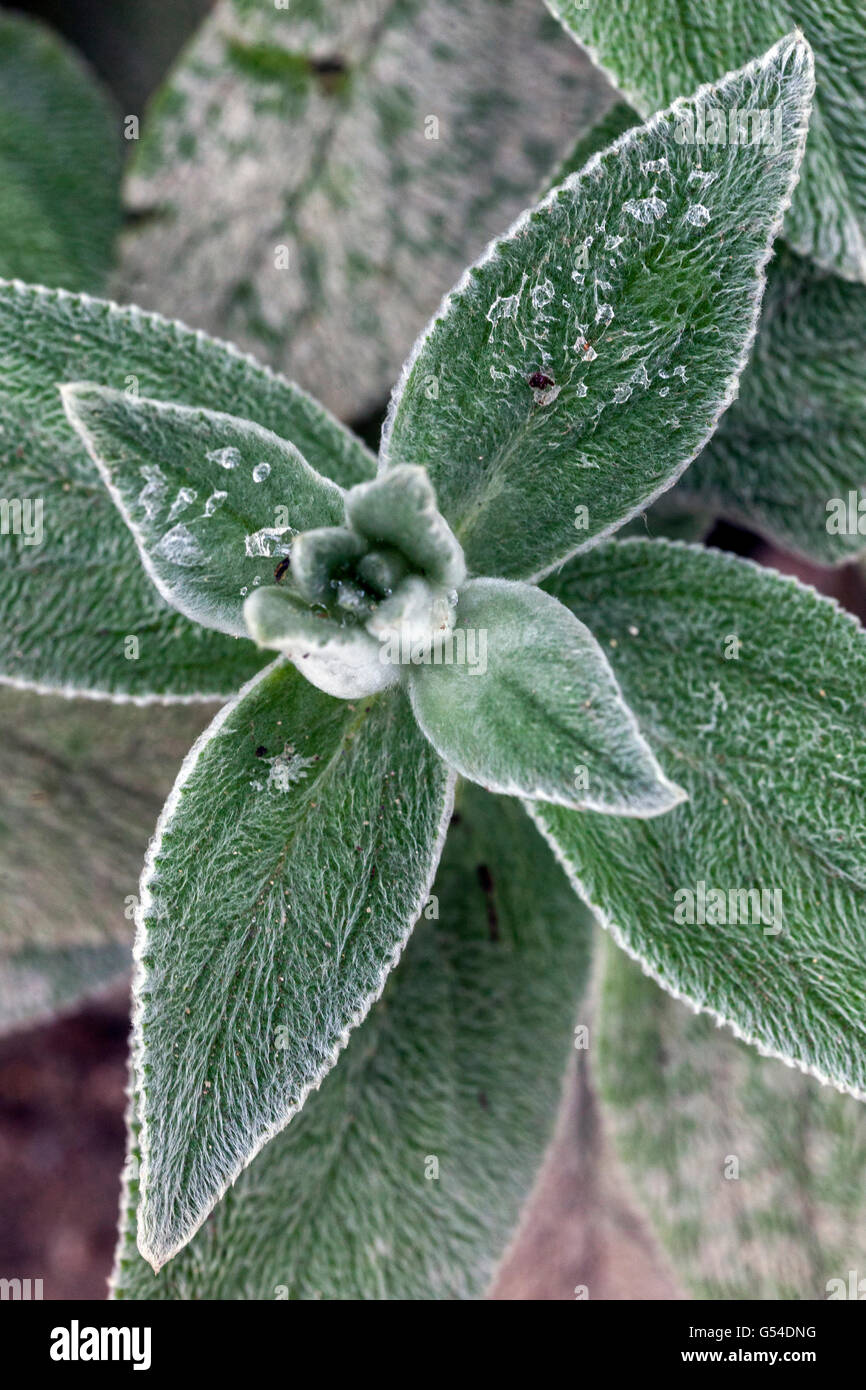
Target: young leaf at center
531	708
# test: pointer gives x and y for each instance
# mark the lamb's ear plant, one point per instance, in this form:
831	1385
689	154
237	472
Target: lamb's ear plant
667	716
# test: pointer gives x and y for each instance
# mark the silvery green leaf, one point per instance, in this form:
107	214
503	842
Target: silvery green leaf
753	1175
792	448
404	1175
342	659
522	700
309	181
211	500
749	901
59	162
652	53
83	783
290	862
72	603
398	509
586	359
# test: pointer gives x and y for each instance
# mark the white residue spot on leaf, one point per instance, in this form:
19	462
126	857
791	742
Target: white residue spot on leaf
506	306
261	471
270	541
655	166
180	547
622	393
580	388
229	457
185	498
287	768
697	215
604	313
541	296
152	495
545	395
583	346
646	209
702	176
215	500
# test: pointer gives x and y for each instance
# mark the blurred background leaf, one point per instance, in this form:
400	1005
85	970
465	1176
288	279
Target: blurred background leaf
82	785
60	162
310	182
130	43
753	1174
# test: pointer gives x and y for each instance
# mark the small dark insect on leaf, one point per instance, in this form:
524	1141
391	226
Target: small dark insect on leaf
486	881
281	568
539	381
327	66
261	751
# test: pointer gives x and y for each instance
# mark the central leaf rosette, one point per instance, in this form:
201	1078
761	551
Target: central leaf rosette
365	599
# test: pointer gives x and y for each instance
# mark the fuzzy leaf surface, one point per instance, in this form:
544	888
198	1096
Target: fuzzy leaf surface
59	162
68	605
654	51
795	439
461	1061
753	1175
312	180
767	744
289	865
83	784
343	660
586	359
533	709
209	498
